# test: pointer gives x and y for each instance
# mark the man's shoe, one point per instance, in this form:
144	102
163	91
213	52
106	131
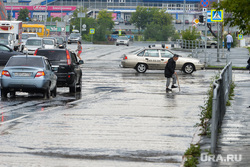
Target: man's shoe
174	86
167	89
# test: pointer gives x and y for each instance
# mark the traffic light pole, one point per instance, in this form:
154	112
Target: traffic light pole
218	42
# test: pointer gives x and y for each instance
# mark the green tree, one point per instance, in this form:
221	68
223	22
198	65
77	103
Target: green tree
238	13
105	24
190	34
23	15
140	18
53	19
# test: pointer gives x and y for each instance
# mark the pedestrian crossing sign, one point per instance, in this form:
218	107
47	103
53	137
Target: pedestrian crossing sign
240	36
216	15
92	31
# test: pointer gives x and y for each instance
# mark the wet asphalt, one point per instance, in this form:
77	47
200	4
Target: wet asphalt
121	118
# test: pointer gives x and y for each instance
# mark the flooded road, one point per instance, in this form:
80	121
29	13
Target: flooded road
121	118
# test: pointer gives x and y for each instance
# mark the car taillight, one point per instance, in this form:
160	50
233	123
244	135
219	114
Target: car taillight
68	58
35	52
125	57
40	74
5	73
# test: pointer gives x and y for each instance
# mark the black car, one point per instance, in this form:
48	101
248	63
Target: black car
6	53
66	67
127	22
61	43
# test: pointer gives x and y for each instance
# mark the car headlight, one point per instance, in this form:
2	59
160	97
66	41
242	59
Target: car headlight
25	49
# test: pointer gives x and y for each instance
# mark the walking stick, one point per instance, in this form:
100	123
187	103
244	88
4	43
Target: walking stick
178	82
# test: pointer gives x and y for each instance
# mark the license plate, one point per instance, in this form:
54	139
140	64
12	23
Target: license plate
22	74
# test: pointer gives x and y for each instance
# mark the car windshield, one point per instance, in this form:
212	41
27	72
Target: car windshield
55	56
74	35
34	42
32	35
48	42
4	36
5	42
25	61
123	38
138	51
25	36
59	40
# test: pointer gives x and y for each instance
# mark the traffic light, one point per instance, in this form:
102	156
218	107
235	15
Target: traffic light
201	18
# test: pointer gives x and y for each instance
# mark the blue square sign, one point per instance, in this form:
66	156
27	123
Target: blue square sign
216	15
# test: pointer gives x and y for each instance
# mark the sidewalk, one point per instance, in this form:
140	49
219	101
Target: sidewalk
238	56
234	139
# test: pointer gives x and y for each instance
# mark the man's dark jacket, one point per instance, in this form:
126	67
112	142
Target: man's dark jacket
170	68
248	61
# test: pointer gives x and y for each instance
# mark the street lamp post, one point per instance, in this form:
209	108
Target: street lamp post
218	36
184	11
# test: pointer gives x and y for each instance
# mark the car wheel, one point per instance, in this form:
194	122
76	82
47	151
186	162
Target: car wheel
54	92
69	42
12	94
117	44
4	93
213	46
188	68
46	93
72	89
141	68
80	84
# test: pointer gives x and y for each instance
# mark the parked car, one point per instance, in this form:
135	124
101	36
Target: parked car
61	42
186	21
49	44
210	42
178	21
6	53
25	36
116	22
32	74
156	59
66	67
122	40
32	44
127	22
74	38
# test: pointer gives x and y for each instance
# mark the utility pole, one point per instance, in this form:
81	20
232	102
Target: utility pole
184	11
218	43
45	20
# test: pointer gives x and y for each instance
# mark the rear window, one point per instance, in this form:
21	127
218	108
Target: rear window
54	56
26	61
34	42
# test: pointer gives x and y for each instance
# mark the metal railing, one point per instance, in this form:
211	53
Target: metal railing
221	90
190	44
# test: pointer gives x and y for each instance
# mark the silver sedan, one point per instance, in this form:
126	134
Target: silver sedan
156	59
32	74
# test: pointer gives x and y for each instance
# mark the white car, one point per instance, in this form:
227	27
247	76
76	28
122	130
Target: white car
122	40
32	44
25	36
156	59
49	44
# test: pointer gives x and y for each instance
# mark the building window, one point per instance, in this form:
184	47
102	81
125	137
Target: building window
110	1
122	1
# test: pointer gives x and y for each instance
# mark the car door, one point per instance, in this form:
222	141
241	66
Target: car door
52	77
5	54
165	55
76	65
152	58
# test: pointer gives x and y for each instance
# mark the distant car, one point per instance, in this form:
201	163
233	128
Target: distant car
52	38
6	53
178	22
74	38
156	59
127	22
122	40
49	44
116	22
210	42
32	44
61	42
186	22
25	36
32	74
66	67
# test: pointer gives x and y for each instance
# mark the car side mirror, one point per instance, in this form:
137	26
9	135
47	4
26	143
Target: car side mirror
81	62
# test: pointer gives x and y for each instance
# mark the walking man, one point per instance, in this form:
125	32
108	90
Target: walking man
170	72
229	41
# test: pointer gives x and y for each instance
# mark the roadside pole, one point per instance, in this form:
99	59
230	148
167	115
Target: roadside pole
218	37
205	9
